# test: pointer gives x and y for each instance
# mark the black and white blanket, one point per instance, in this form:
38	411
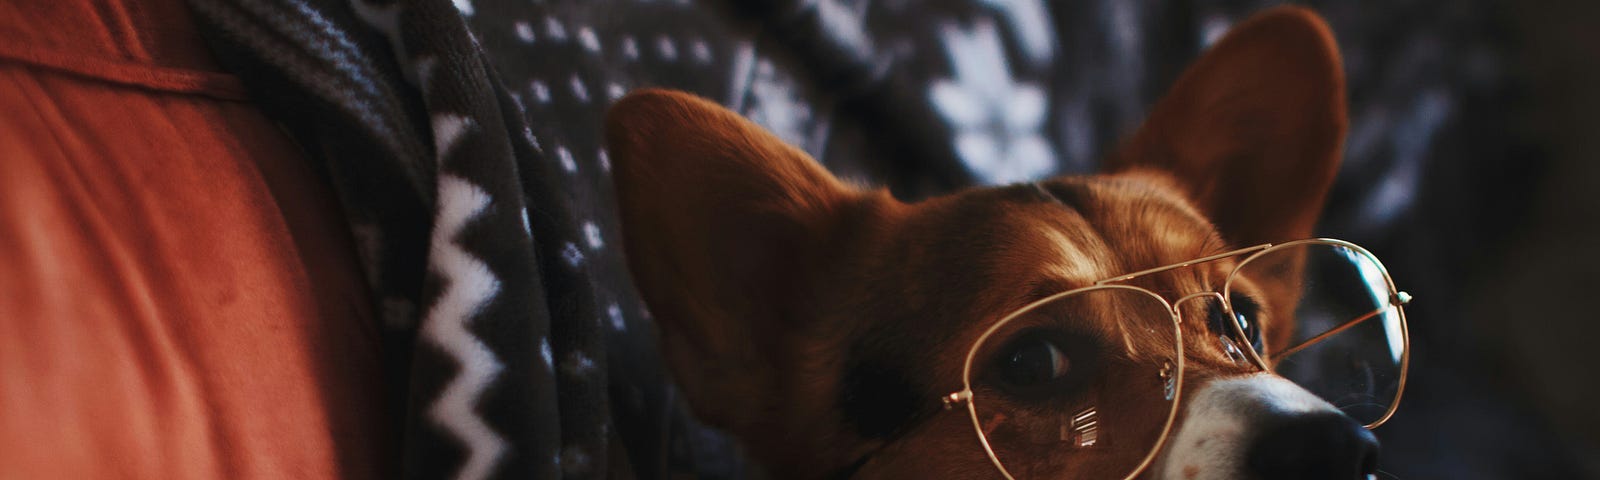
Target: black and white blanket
463	138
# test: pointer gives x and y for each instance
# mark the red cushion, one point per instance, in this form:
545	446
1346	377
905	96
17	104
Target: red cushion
178	293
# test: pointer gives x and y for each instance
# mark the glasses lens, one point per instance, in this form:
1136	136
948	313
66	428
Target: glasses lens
1333	324
1082	386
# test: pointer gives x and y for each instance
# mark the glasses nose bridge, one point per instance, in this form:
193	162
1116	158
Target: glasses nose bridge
1177	305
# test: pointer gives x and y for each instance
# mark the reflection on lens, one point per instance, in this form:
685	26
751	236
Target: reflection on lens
1080	386
1339	328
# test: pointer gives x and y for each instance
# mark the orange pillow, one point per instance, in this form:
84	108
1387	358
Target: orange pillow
179	296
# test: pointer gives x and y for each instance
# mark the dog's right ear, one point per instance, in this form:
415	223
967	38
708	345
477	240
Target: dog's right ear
1254	129
721	220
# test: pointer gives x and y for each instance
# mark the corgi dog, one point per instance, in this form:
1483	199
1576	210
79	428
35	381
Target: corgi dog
825	325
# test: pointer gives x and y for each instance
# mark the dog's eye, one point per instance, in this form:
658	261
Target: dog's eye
1041	364
1032	360
1245	313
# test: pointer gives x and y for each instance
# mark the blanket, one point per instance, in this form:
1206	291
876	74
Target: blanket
463	138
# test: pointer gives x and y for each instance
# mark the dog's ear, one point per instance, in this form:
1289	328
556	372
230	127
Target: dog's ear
721	220
1254	129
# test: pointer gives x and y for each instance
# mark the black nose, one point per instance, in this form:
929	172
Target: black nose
1320	446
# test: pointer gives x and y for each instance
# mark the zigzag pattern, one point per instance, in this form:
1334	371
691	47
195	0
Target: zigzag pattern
468	285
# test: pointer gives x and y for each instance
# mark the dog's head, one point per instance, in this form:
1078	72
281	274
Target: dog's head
821	322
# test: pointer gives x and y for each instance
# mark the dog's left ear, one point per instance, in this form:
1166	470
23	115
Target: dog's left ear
1254	129
723	225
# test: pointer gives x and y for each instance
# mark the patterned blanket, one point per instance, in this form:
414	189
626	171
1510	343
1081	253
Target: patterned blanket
463	140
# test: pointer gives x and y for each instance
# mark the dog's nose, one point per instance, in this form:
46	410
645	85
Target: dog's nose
1316	446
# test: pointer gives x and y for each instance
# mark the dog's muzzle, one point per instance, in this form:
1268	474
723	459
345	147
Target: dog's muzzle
1263	427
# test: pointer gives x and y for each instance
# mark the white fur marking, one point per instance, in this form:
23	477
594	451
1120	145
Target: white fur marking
1069	263
1219	421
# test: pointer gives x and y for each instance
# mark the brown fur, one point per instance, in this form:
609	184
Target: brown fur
770	278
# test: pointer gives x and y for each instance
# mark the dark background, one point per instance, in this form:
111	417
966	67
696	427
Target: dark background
1527	309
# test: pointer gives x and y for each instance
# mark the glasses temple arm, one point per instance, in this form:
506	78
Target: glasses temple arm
1401	298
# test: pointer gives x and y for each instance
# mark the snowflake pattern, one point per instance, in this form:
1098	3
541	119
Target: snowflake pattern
998	122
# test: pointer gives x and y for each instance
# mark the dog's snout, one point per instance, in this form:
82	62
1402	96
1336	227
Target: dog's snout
1313	446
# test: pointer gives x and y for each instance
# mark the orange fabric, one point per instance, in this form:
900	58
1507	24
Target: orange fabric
178	294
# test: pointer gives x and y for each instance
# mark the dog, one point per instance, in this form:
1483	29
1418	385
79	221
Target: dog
820	322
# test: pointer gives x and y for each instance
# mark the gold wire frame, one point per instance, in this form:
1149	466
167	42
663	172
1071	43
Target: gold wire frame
1397	300
965	395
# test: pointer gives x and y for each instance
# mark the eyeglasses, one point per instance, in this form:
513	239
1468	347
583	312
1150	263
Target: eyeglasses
1052	396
